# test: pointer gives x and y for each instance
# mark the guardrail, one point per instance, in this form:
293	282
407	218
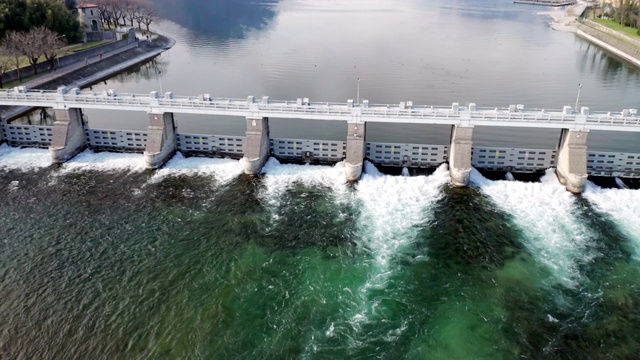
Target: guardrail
514	115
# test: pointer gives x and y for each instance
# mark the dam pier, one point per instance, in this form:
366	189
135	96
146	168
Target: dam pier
572	158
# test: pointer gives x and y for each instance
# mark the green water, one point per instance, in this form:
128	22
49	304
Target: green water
113	264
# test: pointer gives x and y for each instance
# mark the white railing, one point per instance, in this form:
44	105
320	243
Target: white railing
627	120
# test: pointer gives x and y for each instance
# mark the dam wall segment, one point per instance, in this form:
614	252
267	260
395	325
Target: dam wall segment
572	158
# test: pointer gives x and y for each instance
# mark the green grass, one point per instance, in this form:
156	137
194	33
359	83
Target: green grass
613	25
81	47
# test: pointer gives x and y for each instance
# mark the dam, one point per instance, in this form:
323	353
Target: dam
572	158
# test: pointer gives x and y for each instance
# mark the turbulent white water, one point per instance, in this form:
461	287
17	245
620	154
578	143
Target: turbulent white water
623	206
391	207
12	158
223	170
545	212
280	177
105	161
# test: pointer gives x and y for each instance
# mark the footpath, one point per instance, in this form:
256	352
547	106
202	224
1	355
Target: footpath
92	69
613	41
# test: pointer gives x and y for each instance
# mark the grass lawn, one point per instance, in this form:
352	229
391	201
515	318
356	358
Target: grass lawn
81	47
631	32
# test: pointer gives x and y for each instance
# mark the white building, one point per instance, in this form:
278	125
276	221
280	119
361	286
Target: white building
89	16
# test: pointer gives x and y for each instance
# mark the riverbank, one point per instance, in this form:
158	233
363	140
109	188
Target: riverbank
85	73
615	42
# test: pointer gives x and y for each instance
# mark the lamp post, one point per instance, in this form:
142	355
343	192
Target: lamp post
578	98
358	93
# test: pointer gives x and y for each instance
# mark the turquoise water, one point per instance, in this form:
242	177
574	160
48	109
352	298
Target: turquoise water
102	259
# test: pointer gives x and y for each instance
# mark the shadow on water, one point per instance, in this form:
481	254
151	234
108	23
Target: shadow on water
309	217
488	297
603	321
222	19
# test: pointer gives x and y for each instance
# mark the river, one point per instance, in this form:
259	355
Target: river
102	259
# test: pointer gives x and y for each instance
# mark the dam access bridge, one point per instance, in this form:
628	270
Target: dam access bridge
572	159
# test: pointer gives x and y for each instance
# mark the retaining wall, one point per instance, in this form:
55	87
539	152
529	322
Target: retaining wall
92	54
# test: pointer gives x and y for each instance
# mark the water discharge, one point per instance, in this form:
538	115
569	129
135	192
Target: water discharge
391	210
622	206
546	213
223	170
298	263
23	159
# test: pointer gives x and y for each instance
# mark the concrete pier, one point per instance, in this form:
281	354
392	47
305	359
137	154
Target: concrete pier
356	150
68	135
572	159
460	155
256	146
161	140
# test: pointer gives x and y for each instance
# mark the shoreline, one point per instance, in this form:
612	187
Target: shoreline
92	73
567	20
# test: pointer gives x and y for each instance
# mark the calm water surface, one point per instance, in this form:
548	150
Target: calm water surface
436	52
102	259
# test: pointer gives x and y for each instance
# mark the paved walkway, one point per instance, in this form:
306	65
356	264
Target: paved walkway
82	74
64	70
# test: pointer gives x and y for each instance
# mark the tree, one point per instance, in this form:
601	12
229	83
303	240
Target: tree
12	16
51	44
622	11
149	15
23	15
62	21
5	62
31	47
13	43
70	4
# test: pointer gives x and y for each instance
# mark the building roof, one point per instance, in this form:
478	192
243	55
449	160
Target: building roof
85	6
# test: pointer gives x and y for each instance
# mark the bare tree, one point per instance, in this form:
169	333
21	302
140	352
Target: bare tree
149	15
13	44
131	7
51	44
105	9
32	45
6	62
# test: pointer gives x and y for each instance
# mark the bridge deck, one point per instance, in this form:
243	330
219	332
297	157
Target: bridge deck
513	116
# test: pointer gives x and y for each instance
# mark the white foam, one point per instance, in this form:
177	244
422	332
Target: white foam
280	177
223	170
105	161
25	159
13	186
621	183
545	213
391	207
622	205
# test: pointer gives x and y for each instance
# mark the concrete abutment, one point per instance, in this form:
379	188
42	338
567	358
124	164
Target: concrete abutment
356	150
69	136
161	140
460	155
571	166
256	145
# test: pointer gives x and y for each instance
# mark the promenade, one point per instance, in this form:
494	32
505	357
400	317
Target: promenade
615	42
86	72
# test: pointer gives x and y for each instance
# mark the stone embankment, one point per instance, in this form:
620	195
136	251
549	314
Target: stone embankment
613	41
93	68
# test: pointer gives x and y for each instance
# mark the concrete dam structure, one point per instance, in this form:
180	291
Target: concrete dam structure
569	128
